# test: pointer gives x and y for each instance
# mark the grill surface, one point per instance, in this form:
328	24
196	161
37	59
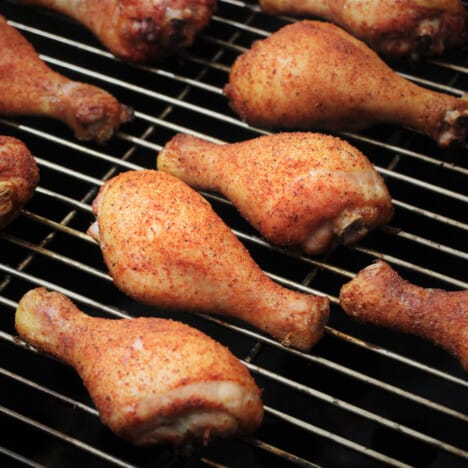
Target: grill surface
364	396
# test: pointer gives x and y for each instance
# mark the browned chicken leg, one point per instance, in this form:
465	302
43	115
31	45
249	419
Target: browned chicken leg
152	380
314	75
164	245
303	189
19	176
414	28
138	30
380	296
29	87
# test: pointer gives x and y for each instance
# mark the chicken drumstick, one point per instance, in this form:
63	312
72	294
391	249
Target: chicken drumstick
303	189
19	176
152	380
164	245
380	296
138	30
411	28
312	74
29	87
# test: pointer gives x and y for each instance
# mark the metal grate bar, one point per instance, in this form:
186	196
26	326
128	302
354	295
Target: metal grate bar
336	333
409	166
395	356
216	90
431	215
263	33
281	280
239	26
450	66
72	145
393	174
258	370
135	167
60	435
157	148
264	339
317	394
336	438
352	340
281	453
428	242
361	412
19	458
405	152
252	441
412	266
226	119
75	404
415	238
40	388
260	32
304	425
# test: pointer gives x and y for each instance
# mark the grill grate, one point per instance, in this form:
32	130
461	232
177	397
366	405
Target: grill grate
363	397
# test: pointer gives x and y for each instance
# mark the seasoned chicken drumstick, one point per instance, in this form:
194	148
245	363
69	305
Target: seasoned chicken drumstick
380	296
164	245
152	380
138	30
314	75
414	28
19	176
29	87
304	189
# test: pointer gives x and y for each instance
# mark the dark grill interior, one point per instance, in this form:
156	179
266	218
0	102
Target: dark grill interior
364	396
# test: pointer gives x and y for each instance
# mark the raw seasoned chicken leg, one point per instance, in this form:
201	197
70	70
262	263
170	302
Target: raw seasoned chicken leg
304	189
380	296
164	245
152	380
314	75
29	87
138	30
19	176
414	28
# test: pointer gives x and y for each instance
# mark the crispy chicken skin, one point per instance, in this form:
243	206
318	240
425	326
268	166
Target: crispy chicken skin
19	176
164	245
395	28
29	87
301	189
152	380
313	75
378	295
138	30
